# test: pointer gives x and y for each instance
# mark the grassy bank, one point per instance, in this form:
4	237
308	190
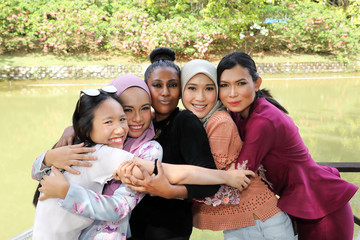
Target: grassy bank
51	60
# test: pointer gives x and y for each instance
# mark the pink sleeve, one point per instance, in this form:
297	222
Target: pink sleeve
258	141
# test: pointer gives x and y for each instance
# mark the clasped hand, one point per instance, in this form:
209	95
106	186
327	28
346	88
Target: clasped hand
239	178
154	184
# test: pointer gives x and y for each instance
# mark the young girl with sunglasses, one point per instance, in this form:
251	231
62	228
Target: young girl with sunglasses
315	196
138	142
98	119
251	214
111	212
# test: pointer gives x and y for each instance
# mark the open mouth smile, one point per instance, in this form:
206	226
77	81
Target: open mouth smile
135	128
199	107
117	140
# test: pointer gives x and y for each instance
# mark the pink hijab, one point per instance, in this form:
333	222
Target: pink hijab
131	144
122	83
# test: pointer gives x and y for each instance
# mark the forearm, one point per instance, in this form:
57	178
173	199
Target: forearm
101	207
189	174
148	165
175	191
184	174
158	187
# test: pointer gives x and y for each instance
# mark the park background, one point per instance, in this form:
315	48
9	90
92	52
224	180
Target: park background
74	33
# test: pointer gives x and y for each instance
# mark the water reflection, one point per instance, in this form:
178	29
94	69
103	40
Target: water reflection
326	107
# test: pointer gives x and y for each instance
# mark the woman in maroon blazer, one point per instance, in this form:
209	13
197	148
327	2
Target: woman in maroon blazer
315	196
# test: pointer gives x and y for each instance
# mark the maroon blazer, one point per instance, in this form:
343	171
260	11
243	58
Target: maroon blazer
306	189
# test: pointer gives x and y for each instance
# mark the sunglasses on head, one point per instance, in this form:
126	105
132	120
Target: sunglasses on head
92	92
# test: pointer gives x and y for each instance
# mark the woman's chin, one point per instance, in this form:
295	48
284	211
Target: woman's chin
135	134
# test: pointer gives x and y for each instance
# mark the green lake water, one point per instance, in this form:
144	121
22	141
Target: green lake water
326	107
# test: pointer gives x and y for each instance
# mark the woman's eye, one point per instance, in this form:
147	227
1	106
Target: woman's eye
145	108
210	89
173	85
191	88
223	85
241	83
122	119
127	110
108	122
156	85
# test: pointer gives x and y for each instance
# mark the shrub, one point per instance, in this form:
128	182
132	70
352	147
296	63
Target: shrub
186	36
313	28
72	27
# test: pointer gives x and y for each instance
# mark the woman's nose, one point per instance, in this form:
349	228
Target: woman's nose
200	96
119	129
136	117
233	92
165	91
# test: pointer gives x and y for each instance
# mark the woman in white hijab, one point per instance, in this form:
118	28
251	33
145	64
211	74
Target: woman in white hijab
252	214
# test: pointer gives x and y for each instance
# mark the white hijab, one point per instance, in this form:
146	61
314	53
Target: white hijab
195	67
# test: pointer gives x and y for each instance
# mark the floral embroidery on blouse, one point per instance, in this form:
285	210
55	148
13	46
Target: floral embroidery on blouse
226	194
229	195
78	208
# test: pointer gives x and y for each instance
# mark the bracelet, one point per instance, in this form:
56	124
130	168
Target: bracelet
155	167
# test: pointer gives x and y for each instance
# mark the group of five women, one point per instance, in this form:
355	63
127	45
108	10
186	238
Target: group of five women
228	122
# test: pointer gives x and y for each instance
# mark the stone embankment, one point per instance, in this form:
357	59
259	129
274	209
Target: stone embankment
113	71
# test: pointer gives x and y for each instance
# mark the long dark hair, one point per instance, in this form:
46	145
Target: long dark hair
244	60
83	120
161	57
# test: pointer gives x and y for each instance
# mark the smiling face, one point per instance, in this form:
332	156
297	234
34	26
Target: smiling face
109	124
199	95
164	85
237	89
136	104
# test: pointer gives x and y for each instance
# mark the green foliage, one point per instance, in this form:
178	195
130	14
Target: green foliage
353	11
61	27
191	28
314	28
237	15
187	36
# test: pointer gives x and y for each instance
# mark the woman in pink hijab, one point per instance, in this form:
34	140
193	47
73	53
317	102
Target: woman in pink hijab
136	100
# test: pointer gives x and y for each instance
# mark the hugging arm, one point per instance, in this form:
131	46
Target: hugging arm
141	179
99	206
63	158
92	204
183	174
194	147
86	202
